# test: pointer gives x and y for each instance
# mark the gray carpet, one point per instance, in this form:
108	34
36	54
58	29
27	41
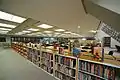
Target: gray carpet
15	67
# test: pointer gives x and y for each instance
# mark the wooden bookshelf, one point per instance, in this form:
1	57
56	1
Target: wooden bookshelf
91	70
47	61
67	67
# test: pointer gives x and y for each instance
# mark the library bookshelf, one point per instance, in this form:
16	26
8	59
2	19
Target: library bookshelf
67	67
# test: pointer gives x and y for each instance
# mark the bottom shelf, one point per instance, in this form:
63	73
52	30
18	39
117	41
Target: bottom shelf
62	76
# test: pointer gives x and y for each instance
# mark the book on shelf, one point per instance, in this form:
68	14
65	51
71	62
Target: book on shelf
64	67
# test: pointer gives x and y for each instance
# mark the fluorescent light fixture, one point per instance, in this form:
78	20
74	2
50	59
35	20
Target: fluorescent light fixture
93	31
26	31
57	33
67	32
84	39
47	31
73	33
3	32
5	29
33	29
10	17
59	30
45	26
37	33
19	33
7	25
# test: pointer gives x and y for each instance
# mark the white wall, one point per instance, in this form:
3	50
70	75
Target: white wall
101	34
113	5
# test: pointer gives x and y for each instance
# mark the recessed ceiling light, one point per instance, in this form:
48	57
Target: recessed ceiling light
10	17
78	26
59	30
6	29
84	39
33	29
93	31
45	26
47	31
67	32
7	25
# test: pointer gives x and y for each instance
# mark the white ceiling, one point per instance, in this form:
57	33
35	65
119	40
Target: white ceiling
66	14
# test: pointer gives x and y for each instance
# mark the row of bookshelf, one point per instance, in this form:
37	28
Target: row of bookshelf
67	67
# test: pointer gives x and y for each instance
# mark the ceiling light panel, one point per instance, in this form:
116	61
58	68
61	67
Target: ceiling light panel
33	29
45	26
93	31
84	39
26	31
3	32
7	25
47	31
10	17
67	32
6	29
57	33
59	30
19	33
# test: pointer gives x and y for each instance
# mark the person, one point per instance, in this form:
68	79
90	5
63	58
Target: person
76	51
76	48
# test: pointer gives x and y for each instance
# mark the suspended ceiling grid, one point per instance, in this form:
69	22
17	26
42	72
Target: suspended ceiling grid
66	14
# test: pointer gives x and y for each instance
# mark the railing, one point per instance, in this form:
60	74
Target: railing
111	32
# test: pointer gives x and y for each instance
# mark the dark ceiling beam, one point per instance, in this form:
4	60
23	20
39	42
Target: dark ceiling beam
25	25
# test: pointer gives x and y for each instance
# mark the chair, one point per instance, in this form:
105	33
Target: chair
110	53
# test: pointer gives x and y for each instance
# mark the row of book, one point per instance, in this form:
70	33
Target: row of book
47	55
100	70
66	70
48	69
47	62
84	76
70	62
62	76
